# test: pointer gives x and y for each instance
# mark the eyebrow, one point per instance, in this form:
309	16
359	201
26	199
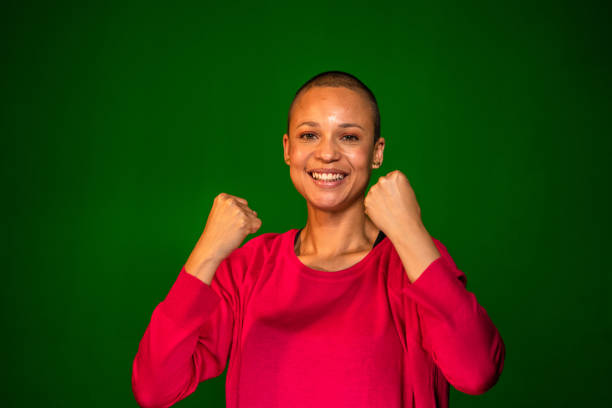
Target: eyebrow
342	125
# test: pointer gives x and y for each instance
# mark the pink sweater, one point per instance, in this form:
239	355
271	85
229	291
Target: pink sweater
298	337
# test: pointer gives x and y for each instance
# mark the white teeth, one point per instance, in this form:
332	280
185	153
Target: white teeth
327	176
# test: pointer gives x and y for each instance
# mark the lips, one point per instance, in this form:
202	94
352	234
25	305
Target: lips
328	183
323	170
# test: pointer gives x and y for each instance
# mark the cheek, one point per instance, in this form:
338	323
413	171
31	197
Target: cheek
360	159
298	155
299	159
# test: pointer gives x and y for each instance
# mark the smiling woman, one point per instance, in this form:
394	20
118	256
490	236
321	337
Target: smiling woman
330	150
359	308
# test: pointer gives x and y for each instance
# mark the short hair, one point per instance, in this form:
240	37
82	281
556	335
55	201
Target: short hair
340	79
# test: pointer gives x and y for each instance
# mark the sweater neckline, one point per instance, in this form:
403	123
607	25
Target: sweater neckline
352	270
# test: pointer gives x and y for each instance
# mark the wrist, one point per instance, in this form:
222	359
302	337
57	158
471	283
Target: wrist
202	266
407	229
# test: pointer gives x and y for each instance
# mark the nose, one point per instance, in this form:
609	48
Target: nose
327	149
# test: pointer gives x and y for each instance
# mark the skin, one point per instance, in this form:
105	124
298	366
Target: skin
337	232
343	223
392	206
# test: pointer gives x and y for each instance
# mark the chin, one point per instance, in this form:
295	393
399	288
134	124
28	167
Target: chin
334	204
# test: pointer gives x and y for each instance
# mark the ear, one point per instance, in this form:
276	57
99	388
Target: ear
286	148
379	148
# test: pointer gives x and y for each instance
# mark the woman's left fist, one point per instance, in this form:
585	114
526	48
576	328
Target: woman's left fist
391	203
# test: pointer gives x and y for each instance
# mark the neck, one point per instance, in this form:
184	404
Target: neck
329	234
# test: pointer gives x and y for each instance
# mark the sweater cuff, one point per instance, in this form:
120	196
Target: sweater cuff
189	299
440	289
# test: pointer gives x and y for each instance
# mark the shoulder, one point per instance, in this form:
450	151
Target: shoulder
261	245
397	273
252	254
241	268
264	240
439	245
444	253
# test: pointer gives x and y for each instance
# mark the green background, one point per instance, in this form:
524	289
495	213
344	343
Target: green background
121	123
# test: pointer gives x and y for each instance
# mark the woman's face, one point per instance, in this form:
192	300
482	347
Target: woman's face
331	128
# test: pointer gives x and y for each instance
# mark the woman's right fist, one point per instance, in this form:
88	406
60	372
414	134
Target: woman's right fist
230	220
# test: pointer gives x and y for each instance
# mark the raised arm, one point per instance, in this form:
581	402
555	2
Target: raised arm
186	342
189	336
456	331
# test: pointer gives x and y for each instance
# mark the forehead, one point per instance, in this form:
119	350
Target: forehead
343	103
328	96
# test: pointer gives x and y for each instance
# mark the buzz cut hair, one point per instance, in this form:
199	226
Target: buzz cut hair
339	79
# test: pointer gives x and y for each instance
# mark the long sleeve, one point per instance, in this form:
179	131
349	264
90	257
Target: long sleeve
186	342
456	331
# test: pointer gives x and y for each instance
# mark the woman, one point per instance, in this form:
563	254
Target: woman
360	308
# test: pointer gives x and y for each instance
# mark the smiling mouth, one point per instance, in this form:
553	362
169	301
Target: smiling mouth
327	178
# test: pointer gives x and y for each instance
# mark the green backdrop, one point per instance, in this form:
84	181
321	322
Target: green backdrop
122	121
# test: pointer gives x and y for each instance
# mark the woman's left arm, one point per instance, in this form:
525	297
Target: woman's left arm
456	330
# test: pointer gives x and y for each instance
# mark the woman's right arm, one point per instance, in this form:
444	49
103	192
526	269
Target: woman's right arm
189	336
186	342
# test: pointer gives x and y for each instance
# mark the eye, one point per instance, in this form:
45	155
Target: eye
304	135
352	136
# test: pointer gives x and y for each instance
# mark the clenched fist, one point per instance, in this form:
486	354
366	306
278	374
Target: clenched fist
391	204
229	222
